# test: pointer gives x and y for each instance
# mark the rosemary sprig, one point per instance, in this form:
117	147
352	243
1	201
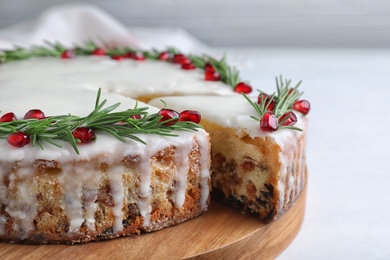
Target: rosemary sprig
119	124
284	98
229	74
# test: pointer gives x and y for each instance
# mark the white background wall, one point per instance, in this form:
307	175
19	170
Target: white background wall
280	23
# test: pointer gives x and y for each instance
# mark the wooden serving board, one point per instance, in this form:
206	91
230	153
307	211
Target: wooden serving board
221	232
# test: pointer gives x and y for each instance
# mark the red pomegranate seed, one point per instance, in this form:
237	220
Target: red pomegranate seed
135	116
267	99
117	57
212	76
135	56
302	106
18	139
99	52
243	88
84	134
68	54
269	122
34	113
290	118
180	59
168	114
139	56
208	67
164	55
9	117
190	115
188	66
292	91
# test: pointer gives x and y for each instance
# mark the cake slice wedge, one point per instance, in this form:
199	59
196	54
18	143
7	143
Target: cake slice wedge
261	173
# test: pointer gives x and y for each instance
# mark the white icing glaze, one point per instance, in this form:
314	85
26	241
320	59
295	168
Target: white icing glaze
182	167
128	77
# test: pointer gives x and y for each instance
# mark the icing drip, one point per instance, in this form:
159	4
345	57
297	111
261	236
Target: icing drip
144	189
71	180
22	205
89	194
4	170
205	170
292	169
182	168
117	193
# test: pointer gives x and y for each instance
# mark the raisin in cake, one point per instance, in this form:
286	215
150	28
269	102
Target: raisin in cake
259	172
110	189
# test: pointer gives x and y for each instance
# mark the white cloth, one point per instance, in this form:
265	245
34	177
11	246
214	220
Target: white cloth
77	23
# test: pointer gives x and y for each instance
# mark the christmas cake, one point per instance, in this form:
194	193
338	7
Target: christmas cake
85	176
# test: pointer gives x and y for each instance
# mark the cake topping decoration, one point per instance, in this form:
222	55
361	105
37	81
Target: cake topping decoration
67	54
164	56
302	106
75	129
168	116
188	66
276	111
269	122
99	52
18	139
84	134
34	113
215	69
289	119
243	88
8	117
190	115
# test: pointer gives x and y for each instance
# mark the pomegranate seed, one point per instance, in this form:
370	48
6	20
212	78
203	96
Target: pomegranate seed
138	56
212	75
292	91
208	67
68	54
164	55
84	134
135	55
99	52
136	116
243	88
168	114
180	59
34	113
9	117
290	118
117	57
188	66
267	99
302	106
18	139
190	115
269	122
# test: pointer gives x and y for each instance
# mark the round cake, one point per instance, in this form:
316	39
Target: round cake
84	159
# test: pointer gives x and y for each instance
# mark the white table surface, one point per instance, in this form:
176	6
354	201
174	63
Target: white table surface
348	156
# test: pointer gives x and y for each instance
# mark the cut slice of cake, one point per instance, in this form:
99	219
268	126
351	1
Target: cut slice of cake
256	171
111	187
